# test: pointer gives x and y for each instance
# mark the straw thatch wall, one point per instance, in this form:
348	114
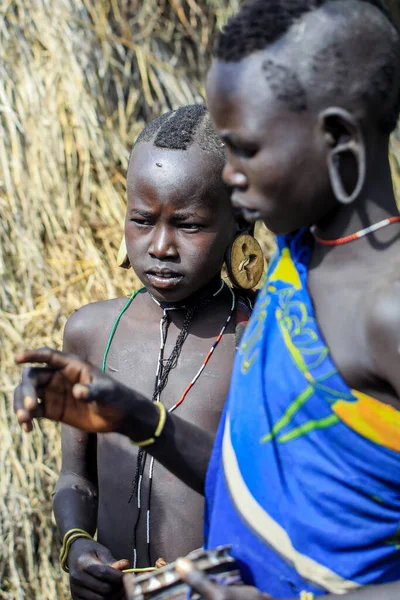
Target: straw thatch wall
78	78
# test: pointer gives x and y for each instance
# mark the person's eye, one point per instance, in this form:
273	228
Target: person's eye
243	150
191	226
141	222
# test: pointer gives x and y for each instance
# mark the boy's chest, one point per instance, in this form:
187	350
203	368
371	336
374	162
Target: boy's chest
133	360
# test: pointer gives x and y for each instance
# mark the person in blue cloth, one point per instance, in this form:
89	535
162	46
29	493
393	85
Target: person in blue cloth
304	476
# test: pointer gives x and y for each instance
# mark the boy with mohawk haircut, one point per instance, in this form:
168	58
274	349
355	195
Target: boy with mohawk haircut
304	479
179	225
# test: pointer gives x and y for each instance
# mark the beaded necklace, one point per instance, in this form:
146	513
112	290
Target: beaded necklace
162	372
354	236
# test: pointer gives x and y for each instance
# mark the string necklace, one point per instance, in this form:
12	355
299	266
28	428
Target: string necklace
164	367
354	236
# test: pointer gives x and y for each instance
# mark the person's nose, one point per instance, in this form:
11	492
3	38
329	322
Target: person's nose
163	244
233	177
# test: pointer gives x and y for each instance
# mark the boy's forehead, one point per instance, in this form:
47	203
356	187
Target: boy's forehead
160	162
186	178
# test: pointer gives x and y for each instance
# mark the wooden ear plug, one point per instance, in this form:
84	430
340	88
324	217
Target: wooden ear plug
245	262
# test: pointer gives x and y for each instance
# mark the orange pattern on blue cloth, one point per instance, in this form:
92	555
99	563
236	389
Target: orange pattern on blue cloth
304	480
367	416
372	419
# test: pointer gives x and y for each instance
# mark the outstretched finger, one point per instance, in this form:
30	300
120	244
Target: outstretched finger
198	580
45	355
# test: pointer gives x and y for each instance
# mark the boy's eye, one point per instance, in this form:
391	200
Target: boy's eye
142	222
190	226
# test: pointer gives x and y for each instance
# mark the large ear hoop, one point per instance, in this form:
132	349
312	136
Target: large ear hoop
244	260
123	259
355	147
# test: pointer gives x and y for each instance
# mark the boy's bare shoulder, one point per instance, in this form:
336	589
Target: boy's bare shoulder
89	323
383	326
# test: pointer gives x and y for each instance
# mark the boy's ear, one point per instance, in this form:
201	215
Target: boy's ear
345	146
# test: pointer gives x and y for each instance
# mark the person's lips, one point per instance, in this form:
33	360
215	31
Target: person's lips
251	215
163	278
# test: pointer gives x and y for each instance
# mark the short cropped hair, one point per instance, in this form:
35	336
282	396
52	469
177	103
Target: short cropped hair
329	67
181	128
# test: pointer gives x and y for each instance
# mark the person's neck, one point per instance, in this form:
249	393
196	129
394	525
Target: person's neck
376	203
210	292
204	294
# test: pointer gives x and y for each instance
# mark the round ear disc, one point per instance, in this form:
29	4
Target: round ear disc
245	262
122	259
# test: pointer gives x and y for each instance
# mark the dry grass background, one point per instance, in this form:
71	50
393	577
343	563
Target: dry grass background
78	80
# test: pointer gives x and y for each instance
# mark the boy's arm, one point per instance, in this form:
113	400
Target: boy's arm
75	498
75	506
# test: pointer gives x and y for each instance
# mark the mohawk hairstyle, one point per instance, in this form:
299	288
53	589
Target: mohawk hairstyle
260	23
180	129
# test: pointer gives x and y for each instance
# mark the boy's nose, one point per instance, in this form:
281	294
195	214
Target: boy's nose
163	244
233	177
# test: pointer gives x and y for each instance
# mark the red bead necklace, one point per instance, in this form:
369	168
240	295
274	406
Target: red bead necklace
353	236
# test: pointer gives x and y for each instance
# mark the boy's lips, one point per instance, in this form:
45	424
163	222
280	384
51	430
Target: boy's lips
164	278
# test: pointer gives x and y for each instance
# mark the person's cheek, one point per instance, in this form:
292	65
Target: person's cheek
208	247
197	258
214	252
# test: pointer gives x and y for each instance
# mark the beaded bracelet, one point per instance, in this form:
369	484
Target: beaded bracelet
69	537
159	429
